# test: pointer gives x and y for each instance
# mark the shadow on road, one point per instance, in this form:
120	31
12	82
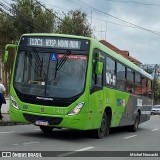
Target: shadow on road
73	135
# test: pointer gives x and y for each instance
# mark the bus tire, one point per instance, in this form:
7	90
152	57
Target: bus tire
135	126
104	128
46	129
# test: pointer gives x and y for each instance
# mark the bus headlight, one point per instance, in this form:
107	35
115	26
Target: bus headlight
76	109
14	103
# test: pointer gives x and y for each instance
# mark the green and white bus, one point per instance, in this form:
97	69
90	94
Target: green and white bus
66	81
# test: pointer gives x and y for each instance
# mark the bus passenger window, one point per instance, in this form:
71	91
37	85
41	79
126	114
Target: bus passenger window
144	86
138	85
110	72
96	79
130	81
150	88
121	78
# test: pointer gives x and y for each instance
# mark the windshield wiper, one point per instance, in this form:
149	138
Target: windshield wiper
38	64
61	62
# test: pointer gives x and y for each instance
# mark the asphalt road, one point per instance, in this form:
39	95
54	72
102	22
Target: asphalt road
30	138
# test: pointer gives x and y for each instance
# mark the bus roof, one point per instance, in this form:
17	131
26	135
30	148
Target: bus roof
58	35
101	47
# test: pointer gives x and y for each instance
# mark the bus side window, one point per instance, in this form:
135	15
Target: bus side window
144	86
121	77
138	84
130	81
149	88
96	79
110	72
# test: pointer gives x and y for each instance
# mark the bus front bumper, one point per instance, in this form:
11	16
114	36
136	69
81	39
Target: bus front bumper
60	121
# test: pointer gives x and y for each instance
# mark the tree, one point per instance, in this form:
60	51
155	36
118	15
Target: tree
6	26
156	89
32	17
75	22
153	70
25	16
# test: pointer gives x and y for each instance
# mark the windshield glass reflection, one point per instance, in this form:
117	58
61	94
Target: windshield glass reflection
54	74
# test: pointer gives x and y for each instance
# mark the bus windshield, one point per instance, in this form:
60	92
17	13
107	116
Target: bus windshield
59	73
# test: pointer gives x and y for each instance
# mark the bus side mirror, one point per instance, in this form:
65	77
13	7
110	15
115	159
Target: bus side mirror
99	68
6	51
5	56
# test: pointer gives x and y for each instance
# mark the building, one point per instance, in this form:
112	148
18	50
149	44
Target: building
124	53
152	69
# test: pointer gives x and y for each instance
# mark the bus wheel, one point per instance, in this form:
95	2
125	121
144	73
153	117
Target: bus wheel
104	128
46	129
135	126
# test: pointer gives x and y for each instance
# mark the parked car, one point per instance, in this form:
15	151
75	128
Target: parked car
155	109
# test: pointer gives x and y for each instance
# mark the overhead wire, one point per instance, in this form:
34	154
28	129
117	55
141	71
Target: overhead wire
22	16
123	25
47	10
135	25
135	2
10	11
54	15
6	10
132	25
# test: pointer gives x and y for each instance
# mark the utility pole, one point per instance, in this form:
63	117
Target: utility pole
102	34
106	32
155	82
91	17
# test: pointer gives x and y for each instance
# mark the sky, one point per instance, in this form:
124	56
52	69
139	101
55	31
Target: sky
117	20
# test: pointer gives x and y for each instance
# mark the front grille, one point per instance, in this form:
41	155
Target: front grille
59	102
51	120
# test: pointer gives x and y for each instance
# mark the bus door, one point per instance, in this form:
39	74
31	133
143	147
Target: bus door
113	95
144	97
96	93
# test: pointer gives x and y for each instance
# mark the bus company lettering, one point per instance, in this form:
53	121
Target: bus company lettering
36	42
121	102
139	102
67	44
73	44
110	79
63	43
56	43
51	43
59	43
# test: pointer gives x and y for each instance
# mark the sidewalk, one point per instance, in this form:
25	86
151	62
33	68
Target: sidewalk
6	117
5	112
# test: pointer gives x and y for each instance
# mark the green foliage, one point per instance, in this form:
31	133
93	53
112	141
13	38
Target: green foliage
6	26
32	17
150	70
28	17
75	23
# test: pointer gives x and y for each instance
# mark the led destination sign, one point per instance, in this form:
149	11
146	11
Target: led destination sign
54	43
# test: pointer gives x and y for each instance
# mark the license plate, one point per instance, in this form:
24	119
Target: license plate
41	123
